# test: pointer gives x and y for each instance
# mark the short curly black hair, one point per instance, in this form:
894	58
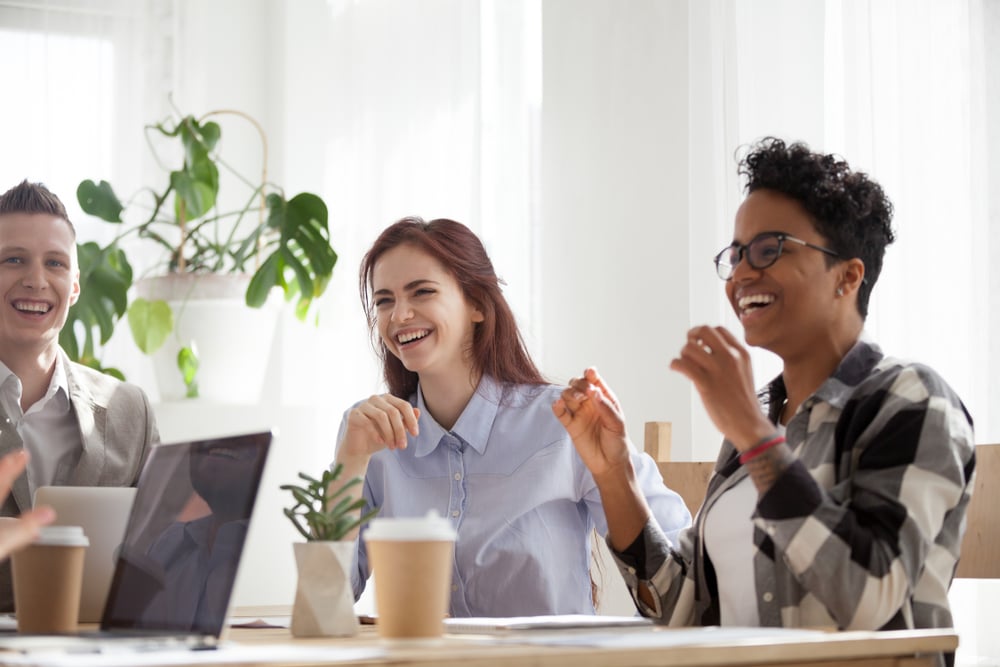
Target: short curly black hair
849	209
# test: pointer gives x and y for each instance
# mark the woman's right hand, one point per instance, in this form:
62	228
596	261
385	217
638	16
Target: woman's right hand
380	422
590	413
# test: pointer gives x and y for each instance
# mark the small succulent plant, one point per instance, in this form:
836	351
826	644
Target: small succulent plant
322	517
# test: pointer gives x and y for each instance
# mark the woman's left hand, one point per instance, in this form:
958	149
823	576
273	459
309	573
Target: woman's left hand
591	414
719	366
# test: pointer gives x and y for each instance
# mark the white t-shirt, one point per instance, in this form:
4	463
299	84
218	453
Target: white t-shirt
729	543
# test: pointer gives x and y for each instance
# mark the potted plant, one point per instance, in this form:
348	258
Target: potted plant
324	597
207	252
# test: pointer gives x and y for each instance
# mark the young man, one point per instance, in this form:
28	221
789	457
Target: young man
81	427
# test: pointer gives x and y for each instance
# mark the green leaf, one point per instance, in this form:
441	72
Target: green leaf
263	281
151	322
105	278
197	188
99	200
325	521
187	362
304	252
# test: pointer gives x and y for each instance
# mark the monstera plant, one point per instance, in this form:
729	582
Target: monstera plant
272	239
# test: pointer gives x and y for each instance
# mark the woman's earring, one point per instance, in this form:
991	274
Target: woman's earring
840	291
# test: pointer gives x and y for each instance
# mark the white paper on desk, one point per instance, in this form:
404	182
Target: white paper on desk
665	637
226	655
493	625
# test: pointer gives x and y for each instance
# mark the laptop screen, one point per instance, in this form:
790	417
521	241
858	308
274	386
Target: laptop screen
185	535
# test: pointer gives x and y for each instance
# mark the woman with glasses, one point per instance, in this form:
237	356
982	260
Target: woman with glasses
466	430
839	495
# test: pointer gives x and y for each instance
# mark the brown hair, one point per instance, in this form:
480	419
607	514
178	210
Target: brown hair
498	349
33	198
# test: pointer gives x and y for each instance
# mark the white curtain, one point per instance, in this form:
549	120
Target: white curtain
901	90
424	109
79	76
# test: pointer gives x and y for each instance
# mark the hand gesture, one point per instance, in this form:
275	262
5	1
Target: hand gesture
591	415
16	533
719	366
380	422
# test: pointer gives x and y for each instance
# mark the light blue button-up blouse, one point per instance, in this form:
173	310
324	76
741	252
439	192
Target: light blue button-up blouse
519	497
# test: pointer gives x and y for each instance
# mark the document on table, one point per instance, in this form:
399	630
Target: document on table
228	654
667	637
494	625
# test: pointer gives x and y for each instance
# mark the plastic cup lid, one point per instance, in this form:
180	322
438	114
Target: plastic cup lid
62	536
428	527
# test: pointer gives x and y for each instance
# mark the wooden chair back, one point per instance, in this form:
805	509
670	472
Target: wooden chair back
688	478
980	557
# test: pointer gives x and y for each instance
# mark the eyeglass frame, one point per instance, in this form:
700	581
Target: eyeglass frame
744	248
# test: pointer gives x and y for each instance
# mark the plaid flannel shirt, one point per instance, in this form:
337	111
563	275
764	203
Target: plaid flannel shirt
861	532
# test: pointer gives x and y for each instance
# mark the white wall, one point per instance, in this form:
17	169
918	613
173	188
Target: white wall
614	201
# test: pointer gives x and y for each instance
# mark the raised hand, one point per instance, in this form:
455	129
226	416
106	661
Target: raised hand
383	421
591	414
16	533
719	366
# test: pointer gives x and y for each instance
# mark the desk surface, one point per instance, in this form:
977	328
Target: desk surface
882	649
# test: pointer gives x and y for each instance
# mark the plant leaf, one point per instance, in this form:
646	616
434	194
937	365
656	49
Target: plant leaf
105	278
304	251
151	322
188	363
99	199
329	522
196	189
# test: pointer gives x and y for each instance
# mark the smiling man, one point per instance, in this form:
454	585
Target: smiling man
81	427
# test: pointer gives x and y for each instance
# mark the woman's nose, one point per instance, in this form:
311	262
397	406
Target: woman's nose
743	271
402	311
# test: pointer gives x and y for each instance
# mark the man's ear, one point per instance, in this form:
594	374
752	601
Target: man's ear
74	294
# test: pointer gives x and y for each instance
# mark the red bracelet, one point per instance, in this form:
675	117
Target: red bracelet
759	449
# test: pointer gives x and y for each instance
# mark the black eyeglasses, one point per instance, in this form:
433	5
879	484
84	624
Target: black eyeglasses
762	251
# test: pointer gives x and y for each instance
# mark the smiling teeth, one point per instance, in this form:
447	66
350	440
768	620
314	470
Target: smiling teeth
411	336
32	307
755	300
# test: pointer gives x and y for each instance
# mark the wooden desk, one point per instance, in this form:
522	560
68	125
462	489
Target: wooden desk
911	648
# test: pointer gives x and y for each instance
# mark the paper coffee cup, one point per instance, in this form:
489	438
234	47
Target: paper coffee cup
412	562
47	576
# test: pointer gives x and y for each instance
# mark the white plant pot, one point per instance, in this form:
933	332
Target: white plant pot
324	598
233	341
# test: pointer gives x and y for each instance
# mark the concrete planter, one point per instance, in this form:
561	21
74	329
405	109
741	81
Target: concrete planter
324	599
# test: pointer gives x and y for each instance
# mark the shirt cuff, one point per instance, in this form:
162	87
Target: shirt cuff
647	552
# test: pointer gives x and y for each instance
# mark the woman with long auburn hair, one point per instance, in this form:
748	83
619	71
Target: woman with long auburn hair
466	430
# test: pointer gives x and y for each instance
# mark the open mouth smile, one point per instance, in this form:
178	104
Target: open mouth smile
32	307
753	303
409	337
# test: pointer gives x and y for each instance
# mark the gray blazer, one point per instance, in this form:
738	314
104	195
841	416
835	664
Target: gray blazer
117	426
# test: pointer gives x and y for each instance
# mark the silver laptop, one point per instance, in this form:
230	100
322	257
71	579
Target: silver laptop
102	511
182	546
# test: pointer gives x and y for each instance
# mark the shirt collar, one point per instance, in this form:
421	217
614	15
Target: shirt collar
856	365
58	382
473	426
